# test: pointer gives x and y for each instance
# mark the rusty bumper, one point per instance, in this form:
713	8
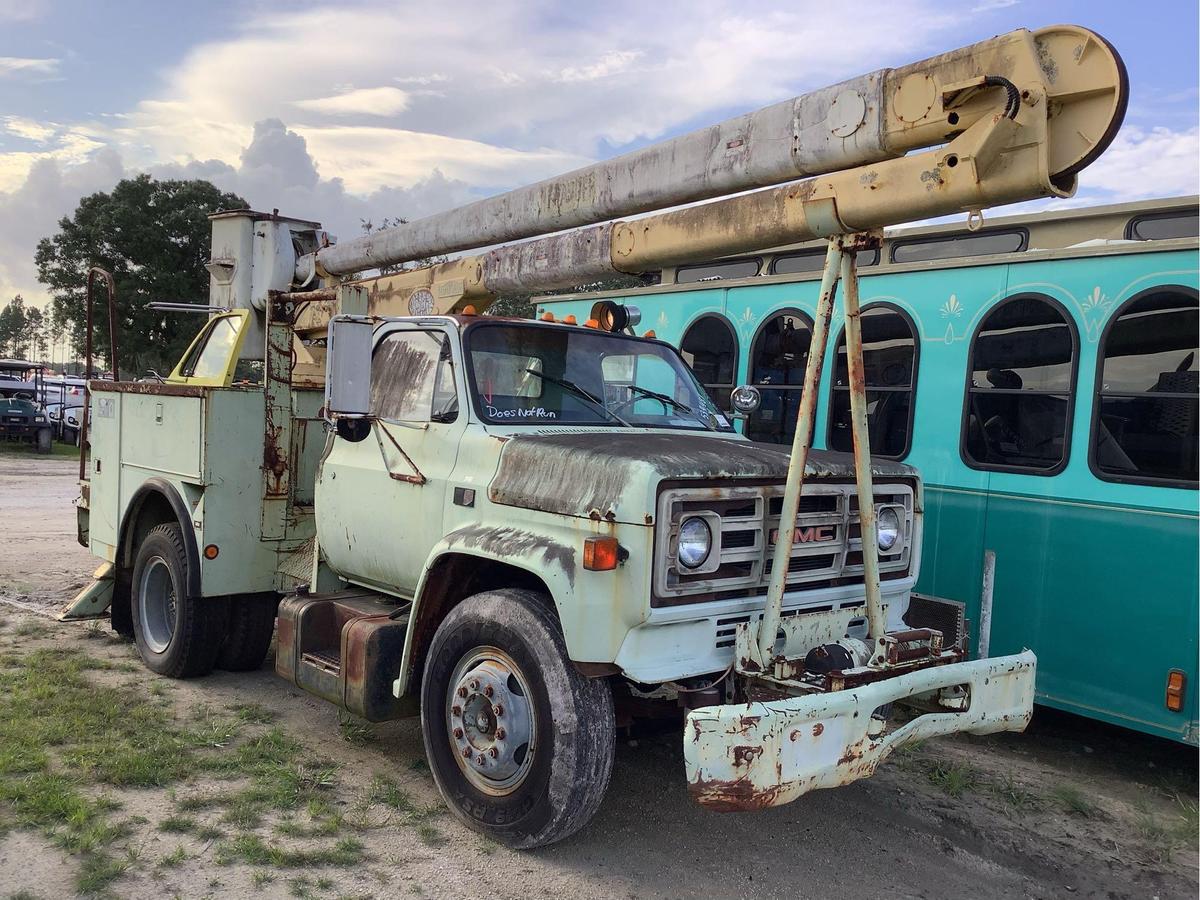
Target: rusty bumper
754	755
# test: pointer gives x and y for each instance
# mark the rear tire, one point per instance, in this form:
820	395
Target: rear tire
505	651
248	637
177	635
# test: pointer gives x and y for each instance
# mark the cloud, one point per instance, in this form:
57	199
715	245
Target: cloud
21	10
38	132
1142	163
378	101
274	170
990	5
23	65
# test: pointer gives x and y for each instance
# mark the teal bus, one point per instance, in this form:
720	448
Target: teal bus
1041	372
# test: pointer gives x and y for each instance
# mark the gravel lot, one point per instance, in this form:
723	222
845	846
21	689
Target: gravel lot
1071	808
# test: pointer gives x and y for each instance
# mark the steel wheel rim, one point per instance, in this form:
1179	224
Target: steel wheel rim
490	721
157	604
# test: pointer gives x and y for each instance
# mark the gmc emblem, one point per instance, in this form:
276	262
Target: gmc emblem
813	534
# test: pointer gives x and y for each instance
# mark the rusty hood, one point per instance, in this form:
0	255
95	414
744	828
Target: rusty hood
615	475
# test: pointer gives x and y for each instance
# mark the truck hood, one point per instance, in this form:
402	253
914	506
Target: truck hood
615	475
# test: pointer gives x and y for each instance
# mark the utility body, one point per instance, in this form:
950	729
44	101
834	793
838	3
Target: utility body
527	532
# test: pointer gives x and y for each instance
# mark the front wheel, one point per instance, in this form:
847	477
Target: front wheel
520	743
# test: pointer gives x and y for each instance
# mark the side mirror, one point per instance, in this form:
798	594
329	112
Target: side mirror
745	400
348	375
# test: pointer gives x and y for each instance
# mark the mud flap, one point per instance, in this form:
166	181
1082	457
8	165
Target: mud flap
93	600
754	755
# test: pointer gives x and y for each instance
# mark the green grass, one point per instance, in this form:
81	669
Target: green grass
354	730
253	850
175	858
177	825
1014	794
953	778
1073	801
27	448
67	741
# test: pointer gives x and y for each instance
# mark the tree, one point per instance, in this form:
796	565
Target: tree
368	226
14	328
35	328
154	237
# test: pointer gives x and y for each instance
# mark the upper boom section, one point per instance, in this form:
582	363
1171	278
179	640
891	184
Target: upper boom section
1073	74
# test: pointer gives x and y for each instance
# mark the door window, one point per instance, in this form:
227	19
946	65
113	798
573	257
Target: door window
1022	377
710	348
890	363
778	358
412	378
1146	395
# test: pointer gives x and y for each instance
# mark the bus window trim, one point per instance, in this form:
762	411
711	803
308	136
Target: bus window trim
1134	221
1097	393
1071	392
911	389
900	243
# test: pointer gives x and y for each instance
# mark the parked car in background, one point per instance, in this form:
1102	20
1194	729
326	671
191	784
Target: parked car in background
22	420
70	423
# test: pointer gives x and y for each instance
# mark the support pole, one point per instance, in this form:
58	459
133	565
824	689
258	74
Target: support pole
801	444
985	603
876	623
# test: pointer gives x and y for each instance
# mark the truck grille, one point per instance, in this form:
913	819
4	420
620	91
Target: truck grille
745	520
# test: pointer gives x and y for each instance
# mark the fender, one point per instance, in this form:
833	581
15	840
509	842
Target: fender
170	493
546	559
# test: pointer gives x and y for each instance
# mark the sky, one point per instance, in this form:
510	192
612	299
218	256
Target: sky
361	109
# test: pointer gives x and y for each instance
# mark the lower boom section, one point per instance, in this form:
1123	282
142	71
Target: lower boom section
754	755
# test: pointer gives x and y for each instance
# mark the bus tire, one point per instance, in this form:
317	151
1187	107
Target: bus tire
248	635
497	677
177	635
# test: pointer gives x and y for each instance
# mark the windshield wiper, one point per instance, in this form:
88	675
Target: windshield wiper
582	393
664	398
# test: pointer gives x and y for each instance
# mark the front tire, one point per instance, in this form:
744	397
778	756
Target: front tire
177	635
519	742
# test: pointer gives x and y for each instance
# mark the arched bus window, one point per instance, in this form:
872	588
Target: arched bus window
890	361
1020	388
710	348
778	356
1144	428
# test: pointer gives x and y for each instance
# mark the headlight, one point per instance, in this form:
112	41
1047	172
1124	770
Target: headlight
887	528
695	542
39	418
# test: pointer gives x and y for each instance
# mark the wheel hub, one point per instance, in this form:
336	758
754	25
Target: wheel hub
157	605
490	720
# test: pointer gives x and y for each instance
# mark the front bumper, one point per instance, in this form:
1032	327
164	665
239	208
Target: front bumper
754	755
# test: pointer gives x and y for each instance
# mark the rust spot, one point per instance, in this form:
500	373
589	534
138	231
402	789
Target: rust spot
733	796
745	754
818	729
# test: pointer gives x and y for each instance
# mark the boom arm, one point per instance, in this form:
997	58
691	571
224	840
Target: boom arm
1012	118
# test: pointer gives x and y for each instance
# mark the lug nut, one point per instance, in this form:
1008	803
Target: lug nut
474	684
456	710
458	732
498	710
479	759
487	690
492	752
462	692
500	734
466	752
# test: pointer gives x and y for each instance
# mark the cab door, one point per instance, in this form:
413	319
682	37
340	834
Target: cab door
380	501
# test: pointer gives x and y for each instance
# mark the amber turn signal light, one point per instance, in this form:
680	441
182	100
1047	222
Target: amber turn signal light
211	551
600	553
1176	684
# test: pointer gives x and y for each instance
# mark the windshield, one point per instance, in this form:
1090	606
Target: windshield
535	374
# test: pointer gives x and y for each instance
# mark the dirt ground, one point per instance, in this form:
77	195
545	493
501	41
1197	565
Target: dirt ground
1071	808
